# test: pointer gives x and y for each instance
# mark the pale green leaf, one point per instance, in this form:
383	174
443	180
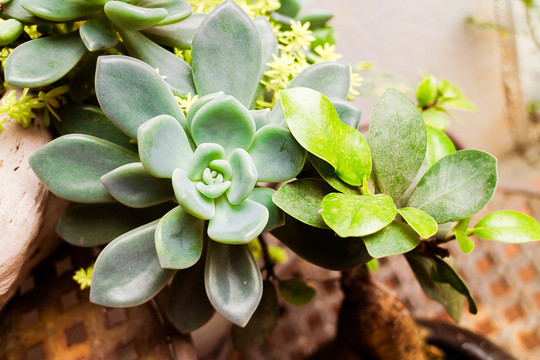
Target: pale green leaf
179	35
330	78
263	196
438	146
244	176
436	118
98	34
296	291
10	30
426	92
60	11
396	238
508	226
465	243
132	17
327	173
421	222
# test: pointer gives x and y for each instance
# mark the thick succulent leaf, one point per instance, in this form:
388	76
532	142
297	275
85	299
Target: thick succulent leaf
176	72
177	10
42	61
327	173
314	123
261	324
10	30
421	222
302	199
224	121
357	215
296	291
443	293
322	247
457	186
97	224
290	8
13	9
438	146
132	186
443	272
348	114
233	281
163	146
189	312
263	196
89	120
179	239
276	154
59	10
72	165
261	118
123	85
269	47
202	157
81	85
98	34
244	176
179	35
330	78
227	53
127	271
508	226
237	224
465	243
132	17
397	138
396	238
189	197
198	104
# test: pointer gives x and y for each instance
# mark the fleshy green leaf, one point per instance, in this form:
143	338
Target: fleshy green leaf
72	165
202	157
296	291
127	271
508	226
97	224
314	123
261	324
244	176
81	84
357	215
426	93
98	34
198	104
396	238
227	53
302	199
397	138
421	222
10	30
163	146
237	224
276	154
179	35
179	239
132	186
131	17
436	118
42	61
60	11
330	78
261	118
123	85
176	72
188	313
263	196
438	146
327	173
177	10
465	243
457	186
13	9
348	114
189	197
233	281
290	8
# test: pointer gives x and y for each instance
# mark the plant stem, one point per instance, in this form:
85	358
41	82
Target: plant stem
268	264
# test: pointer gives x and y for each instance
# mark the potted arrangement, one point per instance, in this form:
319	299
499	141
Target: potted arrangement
176	169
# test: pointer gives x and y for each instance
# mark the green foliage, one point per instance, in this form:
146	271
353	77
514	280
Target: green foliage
507	226
465	243
396	238
296	291
421	222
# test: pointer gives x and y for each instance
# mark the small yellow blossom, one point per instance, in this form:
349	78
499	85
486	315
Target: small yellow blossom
356	82
179	53
283	69
31	30
84	277
296	39
186	103
326	53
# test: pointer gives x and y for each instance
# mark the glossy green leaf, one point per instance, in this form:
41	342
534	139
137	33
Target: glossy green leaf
396	238
14	10
131	17
81	160
348	114
97	224
132	186
314	123
442	272
330	78
465	243
426	93
290	8
179	239
163	146
322	247
89	120
59	10
296	291
421	222
237	224
443	293
224	121
177	10
176	72
189	197
42	61
261	324
436	118
327	173
123	85
244	176
81	85
127	271
457	186
98	34
302	199
276	154
227	53
188	313
179	35
357	215
438	146
10	30
508	226
397	138
233	281
263	196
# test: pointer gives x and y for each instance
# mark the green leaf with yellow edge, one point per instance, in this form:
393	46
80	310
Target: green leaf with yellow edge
296	291
357	215
314	123
396	238
507	226
465	243
438	145
421	222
